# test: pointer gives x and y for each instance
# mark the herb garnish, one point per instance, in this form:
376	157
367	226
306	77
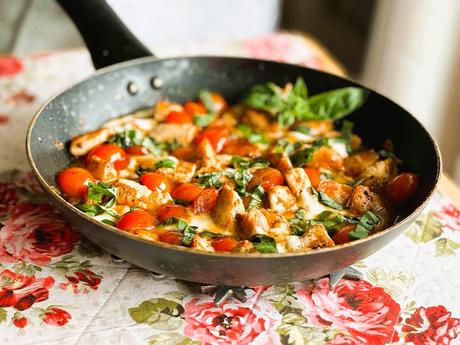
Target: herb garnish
203	120
241	176
302	129
284	146
103	197
206	97
127	138
366	223
305	155
210	179
165	163
241	162
256	197
263	243
298	224
188	232
252	136
328	201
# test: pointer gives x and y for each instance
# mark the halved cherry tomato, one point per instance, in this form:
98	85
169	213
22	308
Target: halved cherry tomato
155	181
194	108
171	237
313	176
216	136
206	201
110	153
267	178
179	117
166	212
401	188
137	150
186	153
74	181
186	192
342	235
224	244
220	104
337	191
138	219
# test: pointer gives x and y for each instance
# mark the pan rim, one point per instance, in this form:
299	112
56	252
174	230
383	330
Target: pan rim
57	197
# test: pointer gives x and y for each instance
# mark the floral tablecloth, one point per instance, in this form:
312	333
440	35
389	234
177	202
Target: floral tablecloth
58	288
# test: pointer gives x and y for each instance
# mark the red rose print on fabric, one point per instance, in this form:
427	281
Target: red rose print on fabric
20	291
20	97
35	233
56	316
29	183
19	320
232	322
4	119
366	312
449	216
10	66
8	198
431	326
81	282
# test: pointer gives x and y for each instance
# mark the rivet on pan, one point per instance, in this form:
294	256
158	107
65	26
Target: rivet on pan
156	82
132	88
105	52
116	259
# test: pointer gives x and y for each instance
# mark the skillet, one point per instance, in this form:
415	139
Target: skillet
134	79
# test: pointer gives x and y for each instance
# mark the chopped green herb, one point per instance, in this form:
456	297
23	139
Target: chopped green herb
206	97
203	120
209	234
153	146
90	210
249	134
284	146
256	197
140	170
241	176
127	138
302	129
305	155
241	162
188	232
172	145
298	224
263	243
366	223
166	163
210	179
108	222
328	201
97	192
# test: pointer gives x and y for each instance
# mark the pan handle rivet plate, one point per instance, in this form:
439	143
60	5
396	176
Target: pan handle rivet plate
156	82
132	88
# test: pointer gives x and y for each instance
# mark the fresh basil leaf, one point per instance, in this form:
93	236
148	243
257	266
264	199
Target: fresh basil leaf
249	134
206	97
203	120
336	104
209	234
90	210
241	162
300	88
153	146
241	177
127	138
101	190
305	155
302	129
188	232
284	146
166	163
108	222
210	179
298	224
328	201
256	197
366	223
263	243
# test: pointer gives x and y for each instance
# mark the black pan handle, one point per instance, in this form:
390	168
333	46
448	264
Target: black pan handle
108	40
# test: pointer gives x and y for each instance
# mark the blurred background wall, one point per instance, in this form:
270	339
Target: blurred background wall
408	50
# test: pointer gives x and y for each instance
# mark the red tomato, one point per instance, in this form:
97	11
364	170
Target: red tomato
169	211
326	157
337	191
267	178
224	244
401	188
110	153
313	176
74	181
194	108
186	192
220	103
155	182
240	147
179	117
342	235
138	219
217	137
206	201
171	237
137	150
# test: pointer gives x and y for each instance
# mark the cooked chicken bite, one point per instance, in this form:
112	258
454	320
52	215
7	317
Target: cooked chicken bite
183	172
182	133
200	243
163	108
357	163
82	144
281	199
101	169
133	194
253	223
228	206
378	174
314	237
299	183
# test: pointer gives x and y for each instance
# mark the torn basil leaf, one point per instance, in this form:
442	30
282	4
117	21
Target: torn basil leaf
256	197
328	201
263	243
99	192
188	232
241	162
210	179
206	97
298	224
203	120
127	138
253	137
166	163
366	223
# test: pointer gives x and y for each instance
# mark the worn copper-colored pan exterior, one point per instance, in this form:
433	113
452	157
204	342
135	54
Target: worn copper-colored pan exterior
106	95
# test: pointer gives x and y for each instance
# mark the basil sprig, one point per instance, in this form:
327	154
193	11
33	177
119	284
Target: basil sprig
103	197
366	223
165	163
210	179
256	197
263	243
188	232
253	137
297	105
328	201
